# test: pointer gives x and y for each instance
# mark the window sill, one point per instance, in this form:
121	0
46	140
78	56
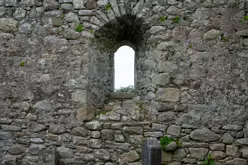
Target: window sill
122	95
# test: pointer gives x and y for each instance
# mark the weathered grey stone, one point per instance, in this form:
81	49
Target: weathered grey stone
171	147
157	29
129	157
35	149
212	34
2	10
102	154
96	134
25	28
85	114
242	33
67	6
236	161
231	150
57	129
198	153
167	116
36	140
8	25
119	138
243	141
19	13
218	155
16	149
31	117
204	135
94	143
80	131
165	46
232	127
217	147
43	106
174	130
244	152
179	154
10	128
65	152
93	125
78	4
168	94
153	134
50	4
47	157
107	134
161	79
10	3
159	127
5	121
227	139
35	127
133	130
5	135
79	95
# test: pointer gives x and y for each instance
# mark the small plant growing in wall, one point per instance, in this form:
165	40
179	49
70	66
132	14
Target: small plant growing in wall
91	31
209	160
108	6
22	63
162	19
79	28
244	19
176	19
164	141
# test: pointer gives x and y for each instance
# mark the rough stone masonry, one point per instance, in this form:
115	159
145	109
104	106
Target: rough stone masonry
56	81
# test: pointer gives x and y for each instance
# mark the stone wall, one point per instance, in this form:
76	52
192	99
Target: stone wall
56	78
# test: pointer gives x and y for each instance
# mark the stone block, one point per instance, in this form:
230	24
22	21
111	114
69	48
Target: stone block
168	94
161	79
93	125
227	138
217	147
8	25
47	157
10	3
212	34
236	161
198	153
232	150
16	149
78	4
174	130
218	155
107	134
65	152
204	135
85	114
129	157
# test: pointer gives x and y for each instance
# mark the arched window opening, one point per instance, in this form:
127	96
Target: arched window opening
124	64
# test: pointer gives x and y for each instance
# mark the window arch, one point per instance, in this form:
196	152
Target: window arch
124	68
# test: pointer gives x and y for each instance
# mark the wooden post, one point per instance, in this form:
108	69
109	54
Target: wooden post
151	152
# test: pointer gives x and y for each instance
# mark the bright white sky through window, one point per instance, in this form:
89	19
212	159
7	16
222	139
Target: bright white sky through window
124	67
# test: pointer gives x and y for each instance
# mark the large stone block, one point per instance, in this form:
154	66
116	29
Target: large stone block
168	94
8	25
85	114
128	157
47	157
204	135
